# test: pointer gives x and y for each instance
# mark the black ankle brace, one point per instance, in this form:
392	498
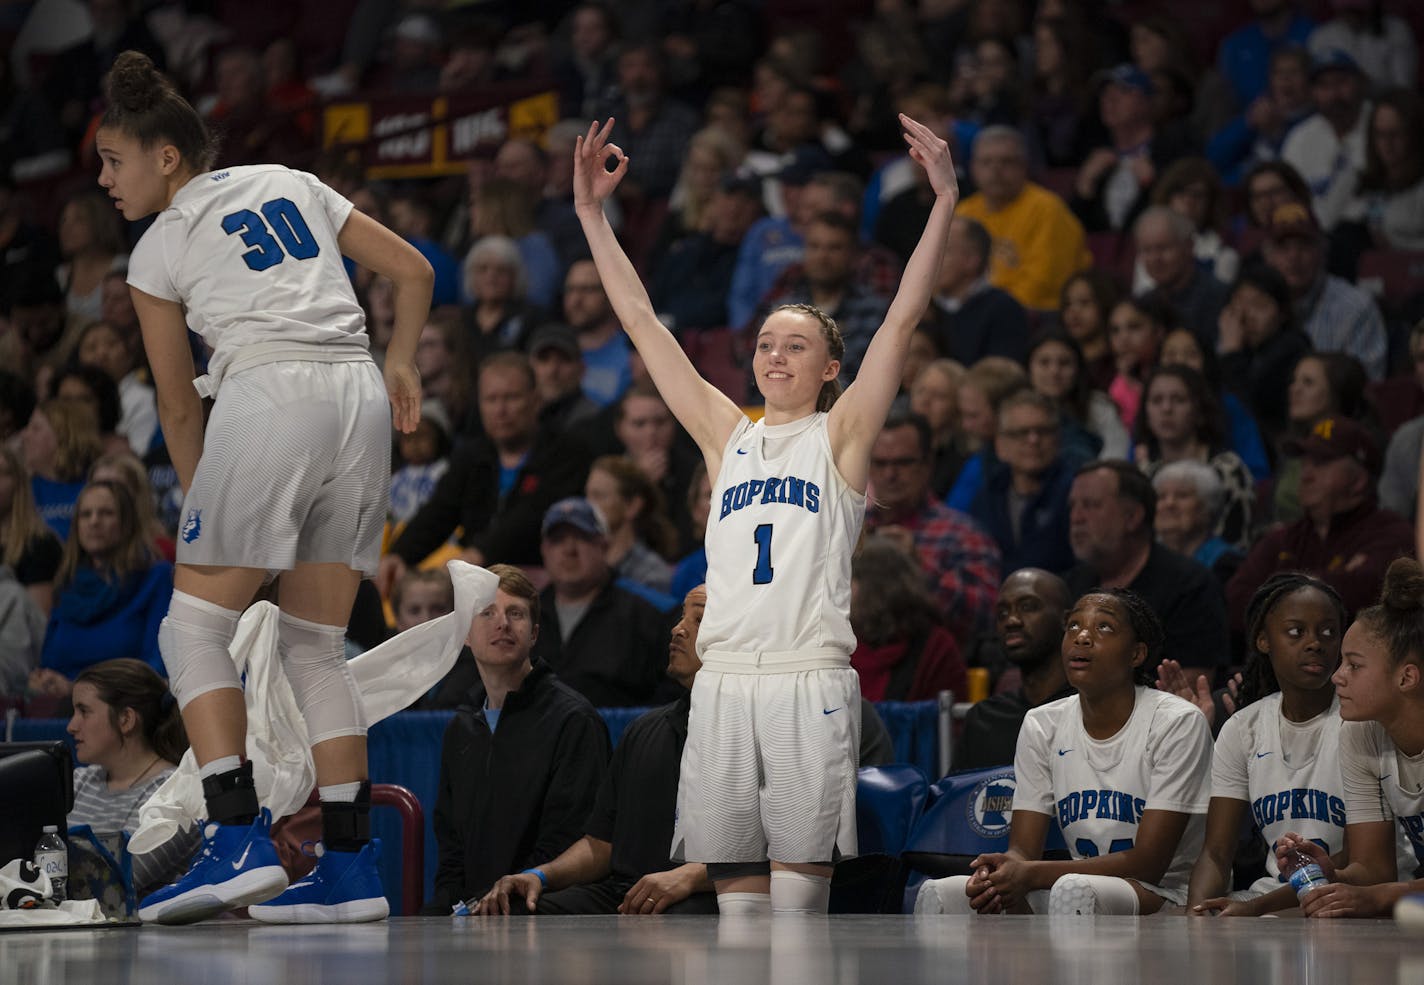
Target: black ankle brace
346	825
232	796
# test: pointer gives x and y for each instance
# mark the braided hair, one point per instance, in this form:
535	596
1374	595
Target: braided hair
1258	679
1145	626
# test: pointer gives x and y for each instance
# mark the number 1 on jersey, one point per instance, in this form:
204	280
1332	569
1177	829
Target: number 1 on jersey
762	573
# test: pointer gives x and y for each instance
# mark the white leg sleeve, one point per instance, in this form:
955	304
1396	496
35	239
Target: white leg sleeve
314	658
943	896
799	892
744	904
193	640
1078	895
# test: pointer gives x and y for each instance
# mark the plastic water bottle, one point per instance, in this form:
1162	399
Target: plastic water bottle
1304	873
52	858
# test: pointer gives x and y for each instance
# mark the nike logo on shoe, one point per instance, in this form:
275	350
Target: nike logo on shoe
241	859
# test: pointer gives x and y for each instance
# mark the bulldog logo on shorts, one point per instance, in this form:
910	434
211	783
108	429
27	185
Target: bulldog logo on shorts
193	526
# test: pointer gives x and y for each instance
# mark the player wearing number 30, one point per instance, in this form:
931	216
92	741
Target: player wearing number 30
1124	771
766	795
290	475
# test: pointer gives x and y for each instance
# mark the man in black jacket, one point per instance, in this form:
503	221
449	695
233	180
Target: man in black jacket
603	641
498	486
520	765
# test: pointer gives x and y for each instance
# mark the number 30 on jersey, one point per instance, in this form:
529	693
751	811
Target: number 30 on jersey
282	219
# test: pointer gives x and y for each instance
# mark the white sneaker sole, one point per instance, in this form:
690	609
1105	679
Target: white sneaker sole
352	911
202	902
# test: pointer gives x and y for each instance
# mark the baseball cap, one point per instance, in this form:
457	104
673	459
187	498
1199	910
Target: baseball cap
1333	60
806	162
1129	76
576	512
554	335
1292	220
1338	437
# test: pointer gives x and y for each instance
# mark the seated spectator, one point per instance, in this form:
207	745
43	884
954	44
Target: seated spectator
652	128
499	315
712	155
983	389
413	216
607	353
501	207
972	319
1328	147
828	280
1062	65
92	241
110	594
41	337
1024	502
1256	135
1028	621
900	196
524	162
123	469
621	863
103	347
557	360
425	457
645	431
1267	187
693	276
1182	347
1397	399
1259	345
521	762
1244	55
1136	330
691	570
1322	384
28	546
252	132
1343	538
129	735
1389	199
1336	315
1113	513
604	641
1115	182
1182	421
959	561
1190	96
1191	188
640	535
1191	499
1399	478
447	376
1089	421
498	486
775	242
420	596
903	651
1381	44
935	396
1164	239
92	387
59	444
586	70
1038	243
1084	309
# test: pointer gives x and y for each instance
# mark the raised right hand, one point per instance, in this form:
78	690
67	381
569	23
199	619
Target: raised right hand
593	182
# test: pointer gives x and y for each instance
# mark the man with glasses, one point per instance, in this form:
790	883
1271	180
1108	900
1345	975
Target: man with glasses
960	561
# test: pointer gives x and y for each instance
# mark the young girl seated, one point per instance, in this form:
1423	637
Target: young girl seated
1123	770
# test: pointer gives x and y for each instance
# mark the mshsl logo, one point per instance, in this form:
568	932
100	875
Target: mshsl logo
991	804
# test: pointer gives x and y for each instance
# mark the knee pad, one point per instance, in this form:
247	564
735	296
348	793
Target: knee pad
943	896
744	904
193	640
799	892
1081	895
314	658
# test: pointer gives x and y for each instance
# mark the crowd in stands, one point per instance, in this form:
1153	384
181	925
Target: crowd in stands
1176	347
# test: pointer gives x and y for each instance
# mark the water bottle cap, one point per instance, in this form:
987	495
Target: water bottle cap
51	829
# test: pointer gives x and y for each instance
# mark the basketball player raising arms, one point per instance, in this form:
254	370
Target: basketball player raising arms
766	794
290	475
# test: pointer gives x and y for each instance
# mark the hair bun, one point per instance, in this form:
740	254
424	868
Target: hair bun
1403	590
134	84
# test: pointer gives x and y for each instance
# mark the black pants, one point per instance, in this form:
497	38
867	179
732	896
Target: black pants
605	895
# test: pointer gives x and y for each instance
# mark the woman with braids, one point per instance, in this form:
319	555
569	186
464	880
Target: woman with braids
290	476
1278	756
767	789
1380	684
1124	769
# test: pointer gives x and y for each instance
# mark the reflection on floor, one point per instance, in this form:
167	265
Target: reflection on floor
695	950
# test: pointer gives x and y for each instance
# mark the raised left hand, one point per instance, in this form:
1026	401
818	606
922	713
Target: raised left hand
932	154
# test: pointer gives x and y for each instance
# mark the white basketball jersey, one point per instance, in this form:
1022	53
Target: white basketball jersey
251	253
1381	783
1289	773
1098	789
779	540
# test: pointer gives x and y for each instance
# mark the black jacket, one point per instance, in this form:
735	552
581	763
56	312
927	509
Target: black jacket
617	655
505	529
518	796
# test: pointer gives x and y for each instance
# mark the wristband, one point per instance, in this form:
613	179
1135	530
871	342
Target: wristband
543	879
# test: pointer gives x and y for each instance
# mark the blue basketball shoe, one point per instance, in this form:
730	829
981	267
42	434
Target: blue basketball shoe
345	887
237	866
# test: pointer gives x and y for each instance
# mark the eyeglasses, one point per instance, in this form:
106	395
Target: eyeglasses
1042	432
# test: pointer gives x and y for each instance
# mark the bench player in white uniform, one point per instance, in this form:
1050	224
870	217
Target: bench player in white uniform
1279	756
1123	768
768	772
290	477
1380	684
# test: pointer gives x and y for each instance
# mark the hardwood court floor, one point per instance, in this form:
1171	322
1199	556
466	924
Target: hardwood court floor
692	950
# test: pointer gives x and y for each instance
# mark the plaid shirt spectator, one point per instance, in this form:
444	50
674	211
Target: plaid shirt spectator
1339	317
961	563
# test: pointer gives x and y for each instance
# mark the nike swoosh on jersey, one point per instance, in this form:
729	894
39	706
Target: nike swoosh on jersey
741	451
1262	755
830	711
1064	752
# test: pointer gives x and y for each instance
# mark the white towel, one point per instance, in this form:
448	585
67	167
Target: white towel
391	677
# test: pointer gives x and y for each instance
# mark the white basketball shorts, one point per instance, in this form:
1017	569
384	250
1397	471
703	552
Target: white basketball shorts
769	768
296	467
